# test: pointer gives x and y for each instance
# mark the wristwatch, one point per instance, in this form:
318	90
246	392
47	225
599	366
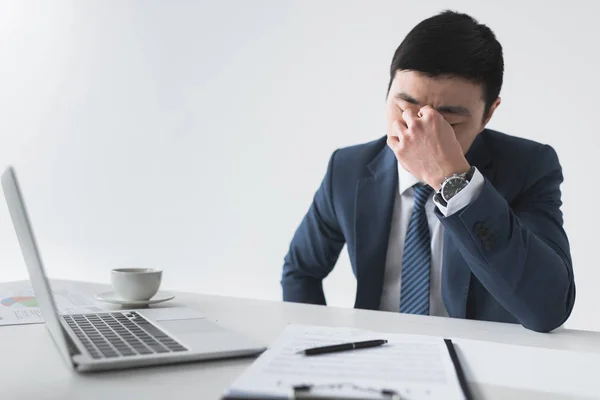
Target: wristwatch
452	185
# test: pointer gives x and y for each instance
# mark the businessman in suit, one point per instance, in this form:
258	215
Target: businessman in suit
442	216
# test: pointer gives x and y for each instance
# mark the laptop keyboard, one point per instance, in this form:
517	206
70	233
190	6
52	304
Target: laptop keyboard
120	334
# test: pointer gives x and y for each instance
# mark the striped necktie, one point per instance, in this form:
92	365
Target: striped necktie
416	259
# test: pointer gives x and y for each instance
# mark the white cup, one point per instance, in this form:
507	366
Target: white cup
135	284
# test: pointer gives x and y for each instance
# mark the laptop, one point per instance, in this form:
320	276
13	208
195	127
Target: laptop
126	338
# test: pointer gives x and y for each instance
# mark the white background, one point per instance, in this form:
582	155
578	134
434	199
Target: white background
191	136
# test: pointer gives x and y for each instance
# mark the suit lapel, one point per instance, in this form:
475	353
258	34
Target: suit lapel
456	274
375	195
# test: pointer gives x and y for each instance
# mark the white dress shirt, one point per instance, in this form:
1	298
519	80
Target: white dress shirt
403	208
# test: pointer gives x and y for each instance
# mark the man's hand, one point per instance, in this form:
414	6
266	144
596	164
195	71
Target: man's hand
426	146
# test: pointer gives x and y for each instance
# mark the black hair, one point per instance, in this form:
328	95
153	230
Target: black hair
453	44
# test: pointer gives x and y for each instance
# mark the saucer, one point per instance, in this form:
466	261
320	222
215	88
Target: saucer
111	297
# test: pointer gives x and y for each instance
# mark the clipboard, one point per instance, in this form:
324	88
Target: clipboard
329	389
303	391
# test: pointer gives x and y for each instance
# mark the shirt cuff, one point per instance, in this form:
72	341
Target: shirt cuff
464	197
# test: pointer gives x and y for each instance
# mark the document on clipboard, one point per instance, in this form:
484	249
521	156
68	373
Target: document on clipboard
408	367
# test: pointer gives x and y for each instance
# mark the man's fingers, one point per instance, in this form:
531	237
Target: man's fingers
424	111
396	138
398	127
395	143
428	112
410	117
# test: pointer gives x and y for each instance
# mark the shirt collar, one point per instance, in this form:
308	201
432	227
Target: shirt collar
406	180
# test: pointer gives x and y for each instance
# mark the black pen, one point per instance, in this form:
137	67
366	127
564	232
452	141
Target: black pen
342	347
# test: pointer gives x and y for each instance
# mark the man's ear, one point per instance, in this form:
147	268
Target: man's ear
495	105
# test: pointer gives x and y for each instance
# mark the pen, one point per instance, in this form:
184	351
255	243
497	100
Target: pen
343	347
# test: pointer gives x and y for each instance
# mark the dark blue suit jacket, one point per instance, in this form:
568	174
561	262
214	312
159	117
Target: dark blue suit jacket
506	256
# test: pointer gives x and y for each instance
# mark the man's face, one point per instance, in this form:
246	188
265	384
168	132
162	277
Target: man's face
458	100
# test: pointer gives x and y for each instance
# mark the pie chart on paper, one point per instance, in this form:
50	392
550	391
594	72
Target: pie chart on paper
23	301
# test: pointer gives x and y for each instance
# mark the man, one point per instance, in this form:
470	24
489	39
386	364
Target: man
442	216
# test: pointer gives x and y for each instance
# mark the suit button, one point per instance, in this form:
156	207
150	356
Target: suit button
487	243
479	228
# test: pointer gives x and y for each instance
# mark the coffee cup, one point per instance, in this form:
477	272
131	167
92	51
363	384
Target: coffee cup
135	284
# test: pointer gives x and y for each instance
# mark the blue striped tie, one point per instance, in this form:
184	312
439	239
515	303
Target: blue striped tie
416	260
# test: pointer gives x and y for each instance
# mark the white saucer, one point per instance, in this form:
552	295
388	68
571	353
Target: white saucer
111	297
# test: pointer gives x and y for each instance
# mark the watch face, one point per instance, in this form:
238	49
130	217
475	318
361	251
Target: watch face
452	187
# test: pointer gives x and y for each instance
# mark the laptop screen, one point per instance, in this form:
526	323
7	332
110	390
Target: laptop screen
33	260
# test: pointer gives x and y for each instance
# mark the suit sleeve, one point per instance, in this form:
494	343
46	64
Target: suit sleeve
315	247
521	253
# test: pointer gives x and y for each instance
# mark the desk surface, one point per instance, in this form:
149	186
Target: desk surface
31	367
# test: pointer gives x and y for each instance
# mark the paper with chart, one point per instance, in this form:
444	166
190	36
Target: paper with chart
18	304
416	367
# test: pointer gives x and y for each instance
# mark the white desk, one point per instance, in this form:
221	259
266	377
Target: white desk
31	368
